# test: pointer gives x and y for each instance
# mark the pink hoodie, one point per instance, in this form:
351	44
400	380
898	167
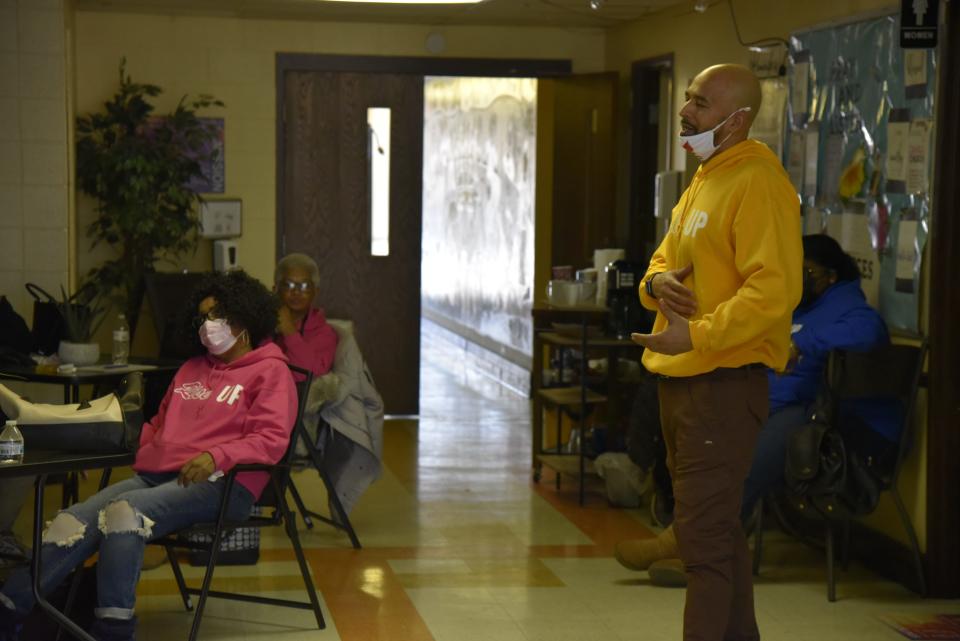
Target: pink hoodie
241	412
313	346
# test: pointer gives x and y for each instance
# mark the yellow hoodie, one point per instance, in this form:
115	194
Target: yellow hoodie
739	224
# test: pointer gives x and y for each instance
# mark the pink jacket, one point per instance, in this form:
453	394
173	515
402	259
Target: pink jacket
241	412
314	346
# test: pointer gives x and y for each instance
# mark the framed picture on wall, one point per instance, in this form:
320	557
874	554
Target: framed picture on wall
213	164
221	218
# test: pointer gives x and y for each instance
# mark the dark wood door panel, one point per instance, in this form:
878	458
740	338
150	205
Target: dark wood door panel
584	166
325	214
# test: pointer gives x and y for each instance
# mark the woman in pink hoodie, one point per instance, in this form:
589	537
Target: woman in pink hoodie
235	402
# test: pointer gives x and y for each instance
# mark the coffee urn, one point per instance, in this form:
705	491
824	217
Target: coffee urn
626	313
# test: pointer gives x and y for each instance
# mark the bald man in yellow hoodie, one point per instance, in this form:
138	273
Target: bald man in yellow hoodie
724	283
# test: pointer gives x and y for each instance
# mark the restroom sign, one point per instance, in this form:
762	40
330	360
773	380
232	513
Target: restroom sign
918	23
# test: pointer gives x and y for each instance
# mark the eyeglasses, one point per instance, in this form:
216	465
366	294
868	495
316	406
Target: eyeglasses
200	319
816	272
291	286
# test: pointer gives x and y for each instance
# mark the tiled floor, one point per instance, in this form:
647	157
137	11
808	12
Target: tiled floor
460	545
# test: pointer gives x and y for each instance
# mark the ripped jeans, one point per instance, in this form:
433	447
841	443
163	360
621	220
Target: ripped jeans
117	522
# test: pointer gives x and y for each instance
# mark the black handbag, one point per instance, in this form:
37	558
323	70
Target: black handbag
14	333
105	425
822	471
816	461
49	327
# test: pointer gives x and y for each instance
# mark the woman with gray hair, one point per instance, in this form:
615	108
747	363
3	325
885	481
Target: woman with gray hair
342	395
302	329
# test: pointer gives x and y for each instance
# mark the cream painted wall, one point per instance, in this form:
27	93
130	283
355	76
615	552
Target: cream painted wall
234	59
699	40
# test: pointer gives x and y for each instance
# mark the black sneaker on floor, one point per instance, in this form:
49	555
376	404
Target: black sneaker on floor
114	629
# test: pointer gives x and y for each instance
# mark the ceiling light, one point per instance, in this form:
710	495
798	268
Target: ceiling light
700	6
596	5
409	1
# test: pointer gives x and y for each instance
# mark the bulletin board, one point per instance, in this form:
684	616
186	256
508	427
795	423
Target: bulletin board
859	151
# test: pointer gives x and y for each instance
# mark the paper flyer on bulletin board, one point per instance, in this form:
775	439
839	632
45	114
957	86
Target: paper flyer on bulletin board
851	231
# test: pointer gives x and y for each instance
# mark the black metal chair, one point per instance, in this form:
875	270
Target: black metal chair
338	517
891	373
273	504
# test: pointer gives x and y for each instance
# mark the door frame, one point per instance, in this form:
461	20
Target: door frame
424	66
943	438
637	228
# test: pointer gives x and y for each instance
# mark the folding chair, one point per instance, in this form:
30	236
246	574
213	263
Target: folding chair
891	372
272	500
338	517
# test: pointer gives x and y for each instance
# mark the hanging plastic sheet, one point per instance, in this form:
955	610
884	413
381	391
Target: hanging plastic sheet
868	108
769	125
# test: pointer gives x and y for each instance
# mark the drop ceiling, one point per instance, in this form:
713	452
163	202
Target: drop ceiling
555	13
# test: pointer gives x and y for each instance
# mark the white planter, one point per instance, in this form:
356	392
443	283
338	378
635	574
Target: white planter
79	353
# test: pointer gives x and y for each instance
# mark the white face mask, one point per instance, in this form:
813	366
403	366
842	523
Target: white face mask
701	144
216	336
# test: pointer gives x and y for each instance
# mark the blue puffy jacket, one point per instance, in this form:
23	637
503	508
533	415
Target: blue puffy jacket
839	319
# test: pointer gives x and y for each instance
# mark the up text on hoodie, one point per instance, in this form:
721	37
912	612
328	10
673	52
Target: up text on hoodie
738	223
240	412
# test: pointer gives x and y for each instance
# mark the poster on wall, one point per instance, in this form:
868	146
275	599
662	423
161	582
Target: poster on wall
210	156
908	258
915	73
852	231
800	86
212	161
796	160
918	156
898	126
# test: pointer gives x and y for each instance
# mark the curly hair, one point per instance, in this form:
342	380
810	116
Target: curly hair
827	252
240	299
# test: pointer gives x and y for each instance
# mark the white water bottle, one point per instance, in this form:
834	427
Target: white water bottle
121	341
11	444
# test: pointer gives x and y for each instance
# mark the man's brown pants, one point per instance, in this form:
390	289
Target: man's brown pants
710	427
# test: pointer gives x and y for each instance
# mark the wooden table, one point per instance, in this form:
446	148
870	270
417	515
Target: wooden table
87	375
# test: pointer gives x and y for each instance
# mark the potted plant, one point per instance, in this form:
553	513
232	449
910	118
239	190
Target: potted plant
140	168
82	314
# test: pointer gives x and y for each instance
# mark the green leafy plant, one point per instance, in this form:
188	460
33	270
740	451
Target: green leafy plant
83	313
139	168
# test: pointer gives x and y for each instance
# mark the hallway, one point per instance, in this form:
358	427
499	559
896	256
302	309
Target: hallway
460	545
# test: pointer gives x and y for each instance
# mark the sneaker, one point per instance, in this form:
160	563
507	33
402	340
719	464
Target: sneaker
668	573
